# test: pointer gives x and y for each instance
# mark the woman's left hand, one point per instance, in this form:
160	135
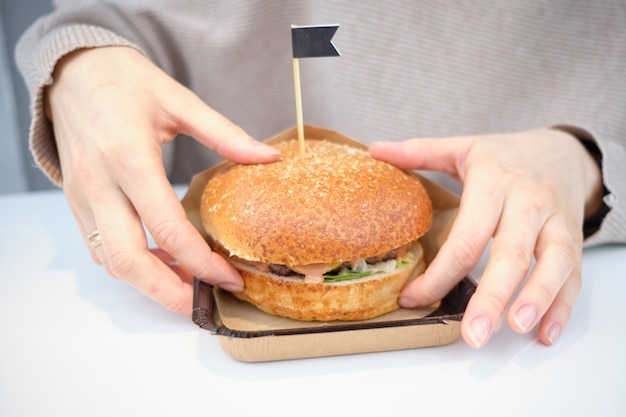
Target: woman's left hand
528	191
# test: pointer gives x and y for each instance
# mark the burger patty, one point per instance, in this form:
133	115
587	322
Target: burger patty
392	254
285	271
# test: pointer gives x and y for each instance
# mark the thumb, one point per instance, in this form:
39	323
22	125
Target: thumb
195	118
444	155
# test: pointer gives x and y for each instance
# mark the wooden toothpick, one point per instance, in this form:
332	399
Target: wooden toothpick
309	42
298	91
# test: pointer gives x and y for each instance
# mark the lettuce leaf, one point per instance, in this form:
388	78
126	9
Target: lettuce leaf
346	276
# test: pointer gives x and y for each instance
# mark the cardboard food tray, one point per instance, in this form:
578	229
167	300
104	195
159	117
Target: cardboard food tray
247	334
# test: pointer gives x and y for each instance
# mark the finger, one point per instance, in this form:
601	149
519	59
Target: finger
74	193
126	256
560	312
217	132
509	261
444	155
173	264
83	215
167	221
476	221
86	225
558	258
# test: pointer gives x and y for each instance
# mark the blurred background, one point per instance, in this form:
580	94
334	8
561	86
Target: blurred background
18	172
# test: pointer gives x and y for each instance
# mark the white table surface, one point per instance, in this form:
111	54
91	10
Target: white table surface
76	342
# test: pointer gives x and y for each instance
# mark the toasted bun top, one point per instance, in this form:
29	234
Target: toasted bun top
334	204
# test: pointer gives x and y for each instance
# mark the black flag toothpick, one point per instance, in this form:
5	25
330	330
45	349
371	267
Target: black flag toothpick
309	42
313	41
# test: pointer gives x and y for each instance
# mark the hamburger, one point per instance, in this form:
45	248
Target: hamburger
328	235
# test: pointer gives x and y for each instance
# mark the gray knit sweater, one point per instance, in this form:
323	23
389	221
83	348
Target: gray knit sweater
408	69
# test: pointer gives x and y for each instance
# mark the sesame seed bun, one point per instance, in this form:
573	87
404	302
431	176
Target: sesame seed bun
332	205
357	299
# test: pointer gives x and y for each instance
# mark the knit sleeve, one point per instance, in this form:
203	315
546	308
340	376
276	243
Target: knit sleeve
612	228
608	148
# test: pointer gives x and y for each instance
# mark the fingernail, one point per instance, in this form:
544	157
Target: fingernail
407	302
265	148
554	333
479	331
231	286
525	317
378	144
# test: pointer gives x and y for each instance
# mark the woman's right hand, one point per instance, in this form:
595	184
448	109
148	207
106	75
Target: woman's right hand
111	110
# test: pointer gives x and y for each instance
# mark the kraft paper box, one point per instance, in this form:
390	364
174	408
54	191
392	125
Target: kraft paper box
248	334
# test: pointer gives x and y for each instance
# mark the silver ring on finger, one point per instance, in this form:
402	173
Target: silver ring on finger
94	239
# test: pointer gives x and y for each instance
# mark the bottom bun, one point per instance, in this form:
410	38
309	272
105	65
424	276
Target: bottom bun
357	299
